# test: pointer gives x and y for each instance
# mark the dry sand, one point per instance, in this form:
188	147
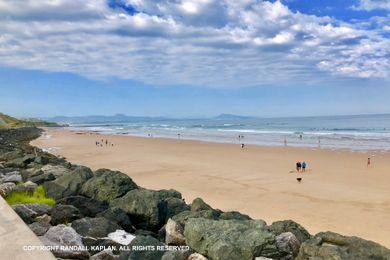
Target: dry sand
338	193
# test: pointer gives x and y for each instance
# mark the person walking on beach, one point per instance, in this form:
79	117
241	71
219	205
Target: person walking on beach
299	165
242	145
304	166
368	162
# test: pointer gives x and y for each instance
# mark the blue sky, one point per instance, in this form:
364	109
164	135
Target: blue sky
194	58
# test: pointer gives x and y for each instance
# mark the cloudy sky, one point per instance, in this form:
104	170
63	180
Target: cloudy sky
194	57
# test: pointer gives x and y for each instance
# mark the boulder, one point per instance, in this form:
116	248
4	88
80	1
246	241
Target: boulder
64	214
329	245
95	245
146	208
171	193
39	208
280	227
26	214
184	216
28	187
175	206
175	255
39	227
40	177
174	233
87	206
118	216
108	185
56	170
121	237
230	239
64	238
198	205
94	227
104	255
196	256
21	162
234	215
6	188
14	177
145	243
69	184
288	244
44	218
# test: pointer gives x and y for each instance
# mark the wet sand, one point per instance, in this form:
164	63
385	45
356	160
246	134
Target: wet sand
337	193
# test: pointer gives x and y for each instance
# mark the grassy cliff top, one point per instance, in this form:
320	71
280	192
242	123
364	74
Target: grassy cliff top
11	122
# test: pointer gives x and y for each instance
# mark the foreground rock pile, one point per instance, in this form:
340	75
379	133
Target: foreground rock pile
105	215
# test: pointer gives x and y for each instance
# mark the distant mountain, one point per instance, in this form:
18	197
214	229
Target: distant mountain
7	121
232	117
98	119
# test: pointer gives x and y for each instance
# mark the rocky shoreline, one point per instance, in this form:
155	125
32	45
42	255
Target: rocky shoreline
105	215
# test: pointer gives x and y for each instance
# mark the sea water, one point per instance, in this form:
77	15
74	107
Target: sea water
362	132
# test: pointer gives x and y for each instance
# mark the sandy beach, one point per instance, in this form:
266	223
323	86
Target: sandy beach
338	192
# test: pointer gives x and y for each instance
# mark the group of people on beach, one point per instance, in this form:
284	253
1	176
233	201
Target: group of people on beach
301	166
102	142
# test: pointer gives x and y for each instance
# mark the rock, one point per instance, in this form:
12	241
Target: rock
146	208
171	193
175	206
182	217
145	242
104	255
39	208
280	227
108	185
28	187
87	206
174	233
56	170
95	245
25	213
94	227
121	237
230	239
289	244
118	216
142	232
6	188
64	214
175	255
21	162
198	205
62	236
39	227
40	177
14	177
41	160
329	245
68	184
196	256
234	215
44	218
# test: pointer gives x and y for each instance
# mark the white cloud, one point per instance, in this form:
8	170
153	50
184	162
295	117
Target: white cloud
370	5
204	42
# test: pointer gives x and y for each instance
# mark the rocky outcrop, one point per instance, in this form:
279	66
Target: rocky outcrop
107	185
66	242
64	214
329	245
68	184
87	206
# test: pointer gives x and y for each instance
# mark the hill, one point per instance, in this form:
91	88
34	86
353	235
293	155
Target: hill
7	121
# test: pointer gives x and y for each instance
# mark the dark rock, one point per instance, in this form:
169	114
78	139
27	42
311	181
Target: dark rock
39	208
175	206
329	245
184	216
280	227
145	242
68	184
118	216
26	214
142	232
87	206
108	185
64	214
39	227
41	160
198	205
175	255
95	245
14	177
27	187
230	239
233	215
94	227
104	255
21	162
60	237
146	208
171	193
41	177
56	170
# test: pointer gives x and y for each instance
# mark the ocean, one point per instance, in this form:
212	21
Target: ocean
362	132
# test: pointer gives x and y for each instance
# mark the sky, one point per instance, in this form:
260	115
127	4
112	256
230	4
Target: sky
190	58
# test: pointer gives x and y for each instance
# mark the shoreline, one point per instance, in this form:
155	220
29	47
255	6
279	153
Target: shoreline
340	199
